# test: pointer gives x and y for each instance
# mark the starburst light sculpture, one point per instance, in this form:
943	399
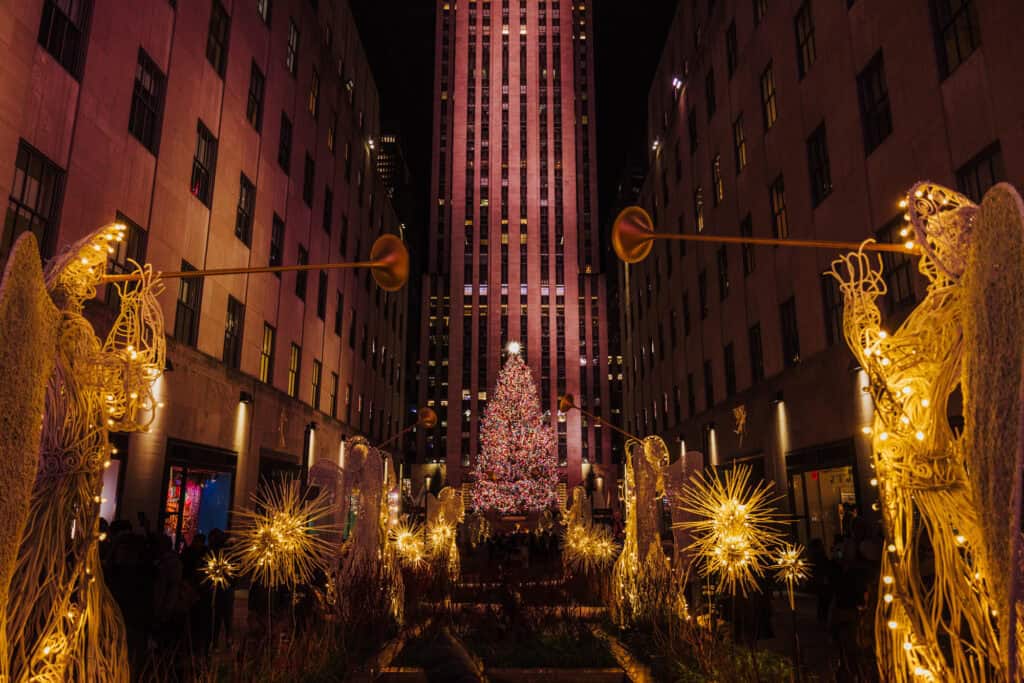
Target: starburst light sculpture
791	568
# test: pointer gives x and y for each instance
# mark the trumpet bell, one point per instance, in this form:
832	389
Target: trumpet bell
632	234
391	263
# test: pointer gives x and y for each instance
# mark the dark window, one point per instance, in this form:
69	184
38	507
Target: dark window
301	276
190	299
233	325
294	367
318	371
698	208
328	208
756	354
246	209
691	123
768	106
291	60
321	296
709	386
760	10
204	164
873	94
777	195
691	395
803	25
277	242
34	201
709	93
730	370
267	354
818	166
747	230
730	48
790	333
343	237
217	40
263	9
62	30
686	314
308	178
352	332
128	253
284	145
898	271
147	102
254	106
313	104
723	272
739	144
956	32
832	303
339	314
702	293
334	395
982	172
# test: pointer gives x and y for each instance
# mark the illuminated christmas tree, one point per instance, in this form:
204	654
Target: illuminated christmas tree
516	469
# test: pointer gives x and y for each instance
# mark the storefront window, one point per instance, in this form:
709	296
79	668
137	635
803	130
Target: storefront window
198	497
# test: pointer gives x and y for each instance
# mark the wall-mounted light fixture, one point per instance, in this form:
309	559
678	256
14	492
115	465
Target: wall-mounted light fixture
245	397
778	398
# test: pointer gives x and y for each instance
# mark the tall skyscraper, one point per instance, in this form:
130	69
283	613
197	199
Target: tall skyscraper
514	252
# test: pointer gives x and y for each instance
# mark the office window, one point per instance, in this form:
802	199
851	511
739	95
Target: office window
291	60
790	333
691	123
686	314
709	386
957	33
768	106
739	144
246	209
328	208
254	105
730	369
348	403
277	242
34	201
318	370
352	332
308	178
332	126
702	293
723	272
301	276
873	95
339	313
803	25
217	38
760	10
698	208
343	237
190	299
731	50
777	195
832	303
130	249
61	32
709	93
321	295
818	166
267	354
234	324
263	9
897	269
334	395
717	185
294	365
313	103
982	172
756	354
284	145
147	102
747	230
204	164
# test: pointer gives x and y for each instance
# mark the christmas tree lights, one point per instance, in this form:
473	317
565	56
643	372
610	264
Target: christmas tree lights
516	470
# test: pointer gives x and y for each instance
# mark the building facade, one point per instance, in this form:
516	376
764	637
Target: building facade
804	120
514	253
223	134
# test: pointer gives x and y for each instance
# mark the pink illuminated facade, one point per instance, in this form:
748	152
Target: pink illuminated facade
513	238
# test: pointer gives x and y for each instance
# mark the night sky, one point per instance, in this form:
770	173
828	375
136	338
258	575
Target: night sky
398	35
